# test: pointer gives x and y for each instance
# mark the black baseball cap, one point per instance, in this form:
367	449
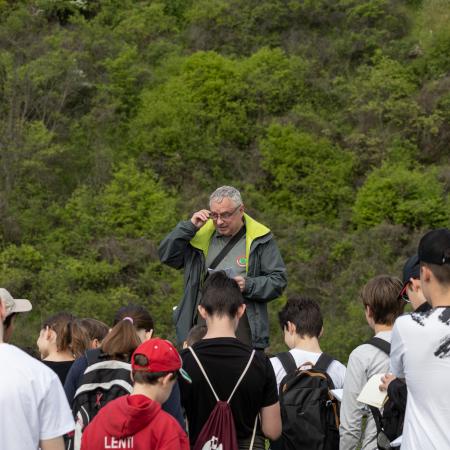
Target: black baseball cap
411	269
434	247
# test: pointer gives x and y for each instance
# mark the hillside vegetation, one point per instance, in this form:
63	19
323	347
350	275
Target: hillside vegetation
118	118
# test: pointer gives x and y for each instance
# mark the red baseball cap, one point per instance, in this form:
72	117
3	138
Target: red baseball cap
162	356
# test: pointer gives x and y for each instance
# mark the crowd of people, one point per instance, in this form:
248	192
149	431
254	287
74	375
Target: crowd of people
93	386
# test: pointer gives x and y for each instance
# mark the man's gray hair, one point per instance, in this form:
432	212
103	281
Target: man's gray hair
226	192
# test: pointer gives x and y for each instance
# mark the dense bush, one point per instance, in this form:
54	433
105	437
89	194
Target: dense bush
402	196
117	119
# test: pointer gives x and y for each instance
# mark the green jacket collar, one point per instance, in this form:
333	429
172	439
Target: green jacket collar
254	230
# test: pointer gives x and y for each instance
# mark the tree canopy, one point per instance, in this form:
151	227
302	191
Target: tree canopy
118	118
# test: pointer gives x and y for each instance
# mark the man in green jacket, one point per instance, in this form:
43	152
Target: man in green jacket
252	259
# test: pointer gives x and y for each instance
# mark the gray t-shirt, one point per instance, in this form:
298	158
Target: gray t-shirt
364	362
235	258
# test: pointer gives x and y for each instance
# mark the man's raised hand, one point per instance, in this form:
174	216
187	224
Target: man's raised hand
199	218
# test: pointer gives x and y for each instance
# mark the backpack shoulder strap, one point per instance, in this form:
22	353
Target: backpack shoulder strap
93	356
203	372
381	344
323	362
224	252
376	417
288	362
242	375
209	382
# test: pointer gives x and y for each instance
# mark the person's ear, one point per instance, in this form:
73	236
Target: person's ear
95	343
368	311
202	312
291	328
148	334
50	335
166	379
425	274
321	333
415	284
241	310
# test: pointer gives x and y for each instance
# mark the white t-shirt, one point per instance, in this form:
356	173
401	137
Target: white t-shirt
336	370
33	405
420	353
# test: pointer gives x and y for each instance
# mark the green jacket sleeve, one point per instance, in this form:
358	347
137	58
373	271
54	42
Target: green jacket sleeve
173	248
266	279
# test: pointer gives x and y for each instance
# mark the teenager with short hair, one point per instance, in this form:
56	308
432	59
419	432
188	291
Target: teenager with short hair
33	408
420	351
196	333
137	420
382	306
224	358
87	334
302	324
96	330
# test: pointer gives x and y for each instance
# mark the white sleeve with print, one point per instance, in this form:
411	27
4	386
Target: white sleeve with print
55	415
397	352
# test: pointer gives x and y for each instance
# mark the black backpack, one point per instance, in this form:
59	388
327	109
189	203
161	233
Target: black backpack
390	423
103	380
309	412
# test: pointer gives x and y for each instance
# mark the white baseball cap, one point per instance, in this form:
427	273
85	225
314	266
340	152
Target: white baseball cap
14	305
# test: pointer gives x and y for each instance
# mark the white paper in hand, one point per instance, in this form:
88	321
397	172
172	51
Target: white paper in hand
371	394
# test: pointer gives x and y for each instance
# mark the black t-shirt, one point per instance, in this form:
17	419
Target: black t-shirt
61	368
224	360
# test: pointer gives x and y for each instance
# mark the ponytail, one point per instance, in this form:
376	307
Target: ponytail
61	324
121	341
80	339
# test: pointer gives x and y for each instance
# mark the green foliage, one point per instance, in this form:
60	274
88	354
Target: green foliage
24	256
399	195
117	119
197	124
382	95
311	177
134	205
274	82
438	61
236	26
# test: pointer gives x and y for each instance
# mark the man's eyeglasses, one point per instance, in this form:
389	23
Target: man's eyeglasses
224	216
